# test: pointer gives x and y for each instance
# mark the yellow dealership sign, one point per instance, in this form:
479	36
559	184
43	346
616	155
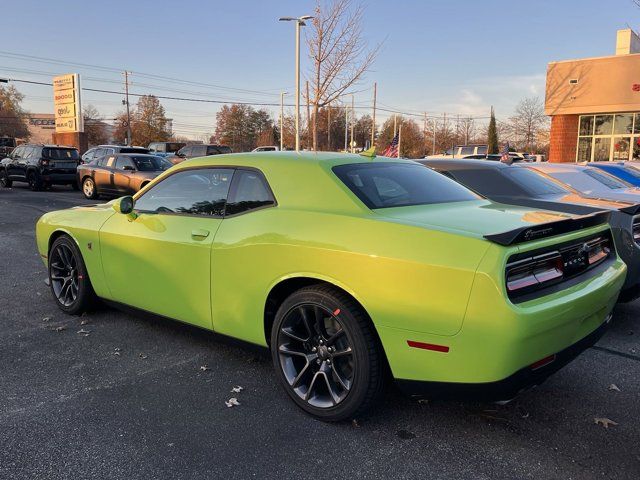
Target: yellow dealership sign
66	103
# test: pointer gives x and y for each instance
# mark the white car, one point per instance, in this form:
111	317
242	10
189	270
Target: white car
267	148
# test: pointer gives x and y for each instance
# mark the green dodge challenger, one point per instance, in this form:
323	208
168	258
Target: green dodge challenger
350	269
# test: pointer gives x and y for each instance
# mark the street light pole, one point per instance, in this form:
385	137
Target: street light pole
299	23
282	94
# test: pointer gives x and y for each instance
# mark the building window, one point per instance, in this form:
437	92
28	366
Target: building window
608	137
584	149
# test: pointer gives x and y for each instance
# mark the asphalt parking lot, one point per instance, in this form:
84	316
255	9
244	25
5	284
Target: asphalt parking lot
114	395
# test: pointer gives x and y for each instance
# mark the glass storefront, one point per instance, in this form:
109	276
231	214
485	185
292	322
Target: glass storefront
609	137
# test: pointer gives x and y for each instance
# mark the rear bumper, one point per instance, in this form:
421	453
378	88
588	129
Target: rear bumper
58	177
509	387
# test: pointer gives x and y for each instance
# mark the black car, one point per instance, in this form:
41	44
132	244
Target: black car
193	151
104	150
518	185
40	166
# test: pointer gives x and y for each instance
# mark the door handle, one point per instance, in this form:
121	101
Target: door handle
199	233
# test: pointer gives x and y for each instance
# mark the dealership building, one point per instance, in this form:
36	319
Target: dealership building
594	104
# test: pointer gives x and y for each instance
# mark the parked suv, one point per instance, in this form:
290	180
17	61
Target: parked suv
103	150
193	151
40	166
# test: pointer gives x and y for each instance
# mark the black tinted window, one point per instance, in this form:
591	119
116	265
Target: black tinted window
133	150
380	185
534	183
150	163
487	182
122	162
198	192
250	192
61	153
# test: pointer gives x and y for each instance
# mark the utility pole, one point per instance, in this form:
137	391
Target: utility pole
346	128
353	123
329	127
126	93
395	124
433	148
424	132
282	94
399	138
373	124
308	117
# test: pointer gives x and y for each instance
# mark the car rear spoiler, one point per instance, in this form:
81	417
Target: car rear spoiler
549	229
632	209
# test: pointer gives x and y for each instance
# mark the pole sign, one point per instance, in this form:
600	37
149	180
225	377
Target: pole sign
66	103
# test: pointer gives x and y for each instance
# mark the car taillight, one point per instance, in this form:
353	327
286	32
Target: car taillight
636	230
534	272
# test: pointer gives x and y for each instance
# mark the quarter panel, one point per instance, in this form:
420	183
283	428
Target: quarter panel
404	276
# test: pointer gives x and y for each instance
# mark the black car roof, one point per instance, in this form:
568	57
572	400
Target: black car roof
457	164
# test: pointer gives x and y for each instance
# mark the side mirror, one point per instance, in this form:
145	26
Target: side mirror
124	205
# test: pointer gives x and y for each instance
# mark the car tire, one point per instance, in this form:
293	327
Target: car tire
326	353
68	277
34	182
4	180
89	188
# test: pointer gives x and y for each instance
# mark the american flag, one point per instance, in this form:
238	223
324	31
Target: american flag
505	153
392	149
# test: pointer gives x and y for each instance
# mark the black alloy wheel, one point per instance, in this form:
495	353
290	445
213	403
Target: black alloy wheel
4	179
34	182
315	355
326	353
68	277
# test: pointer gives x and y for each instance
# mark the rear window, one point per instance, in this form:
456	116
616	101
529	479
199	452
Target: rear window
133	150
586	181
606	179
382	185
150	163
60	153
534	183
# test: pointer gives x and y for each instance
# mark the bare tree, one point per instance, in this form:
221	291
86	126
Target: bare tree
529	118
339	52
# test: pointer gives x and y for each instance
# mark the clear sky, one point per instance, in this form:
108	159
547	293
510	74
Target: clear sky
452	56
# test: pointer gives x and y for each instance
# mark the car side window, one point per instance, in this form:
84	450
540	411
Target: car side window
186	151
250	191
200	191
123	163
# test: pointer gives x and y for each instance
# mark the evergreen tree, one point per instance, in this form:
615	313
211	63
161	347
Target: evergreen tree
492	135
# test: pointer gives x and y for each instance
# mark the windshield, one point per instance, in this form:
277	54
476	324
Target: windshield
133	150
534	183
381	185
150	163
174	147
588	180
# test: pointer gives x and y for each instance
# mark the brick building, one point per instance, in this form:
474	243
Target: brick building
594	104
